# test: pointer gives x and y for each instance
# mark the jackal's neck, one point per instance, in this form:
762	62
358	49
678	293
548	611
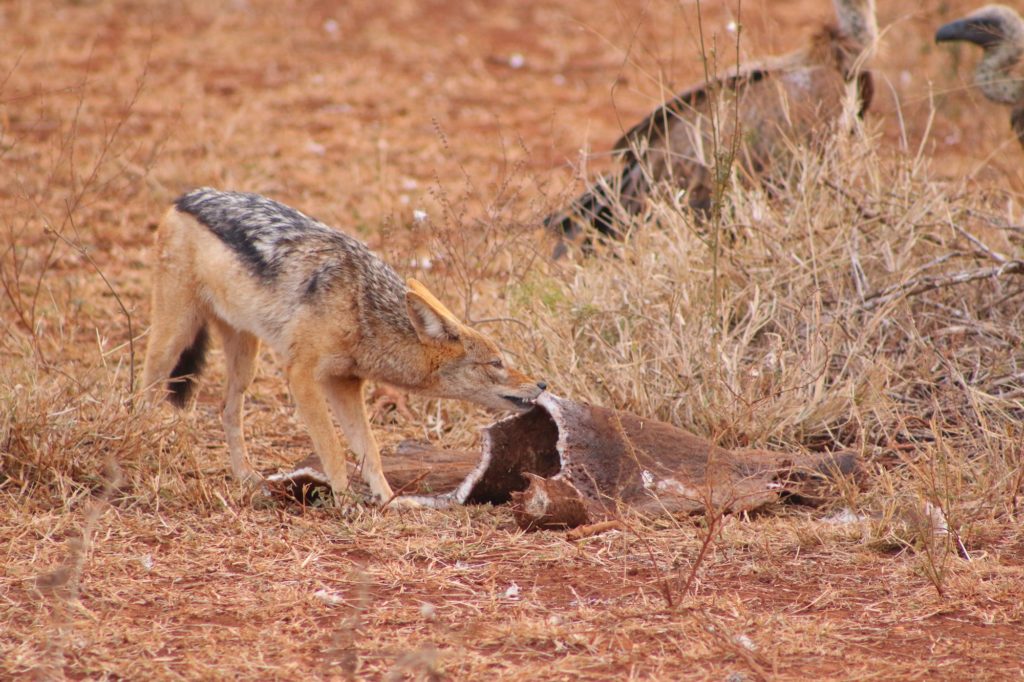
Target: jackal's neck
394	354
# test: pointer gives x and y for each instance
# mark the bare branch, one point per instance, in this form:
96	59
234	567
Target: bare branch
930	283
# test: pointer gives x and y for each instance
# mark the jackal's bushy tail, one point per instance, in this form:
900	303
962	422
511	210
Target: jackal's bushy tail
185	375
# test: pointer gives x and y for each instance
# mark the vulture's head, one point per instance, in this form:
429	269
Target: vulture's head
991	26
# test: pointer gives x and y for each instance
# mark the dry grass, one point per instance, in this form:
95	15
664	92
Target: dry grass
872	303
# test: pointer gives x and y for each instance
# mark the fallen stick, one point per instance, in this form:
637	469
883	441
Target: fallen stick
593	529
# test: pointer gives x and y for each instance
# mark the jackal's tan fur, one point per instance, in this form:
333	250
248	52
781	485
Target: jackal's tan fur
257	270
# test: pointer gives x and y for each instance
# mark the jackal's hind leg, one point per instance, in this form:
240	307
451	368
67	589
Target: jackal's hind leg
240	349
176	344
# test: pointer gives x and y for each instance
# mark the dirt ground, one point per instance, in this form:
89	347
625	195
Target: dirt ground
362	113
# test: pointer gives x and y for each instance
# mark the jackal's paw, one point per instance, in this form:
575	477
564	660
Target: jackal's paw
402	502
247	477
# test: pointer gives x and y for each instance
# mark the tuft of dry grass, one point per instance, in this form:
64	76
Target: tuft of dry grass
871	300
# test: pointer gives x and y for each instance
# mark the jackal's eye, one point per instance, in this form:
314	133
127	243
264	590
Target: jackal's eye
497	364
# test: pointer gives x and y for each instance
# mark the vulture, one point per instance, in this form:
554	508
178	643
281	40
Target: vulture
999	31
769	105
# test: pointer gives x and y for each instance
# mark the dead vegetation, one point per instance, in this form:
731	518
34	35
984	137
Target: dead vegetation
872	300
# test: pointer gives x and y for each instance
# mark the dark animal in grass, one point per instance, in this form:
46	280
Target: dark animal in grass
767	108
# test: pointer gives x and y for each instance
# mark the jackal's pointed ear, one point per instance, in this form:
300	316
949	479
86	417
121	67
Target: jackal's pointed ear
419	288
432	321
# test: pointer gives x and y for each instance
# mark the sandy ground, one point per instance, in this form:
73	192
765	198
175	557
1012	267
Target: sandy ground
362	113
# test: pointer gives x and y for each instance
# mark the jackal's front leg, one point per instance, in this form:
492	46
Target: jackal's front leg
311	406
346	396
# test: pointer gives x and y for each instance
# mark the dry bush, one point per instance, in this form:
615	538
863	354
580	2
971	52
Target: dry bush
798	351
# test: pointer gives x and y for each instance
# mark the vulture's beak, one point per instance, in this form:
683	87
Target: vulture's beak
980	31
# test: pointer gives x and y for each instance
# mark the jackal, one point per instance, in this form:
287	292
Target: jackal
255	269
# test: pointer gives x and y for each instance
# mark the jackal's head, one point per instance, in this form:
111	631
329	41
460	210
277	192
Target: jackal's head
464	363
